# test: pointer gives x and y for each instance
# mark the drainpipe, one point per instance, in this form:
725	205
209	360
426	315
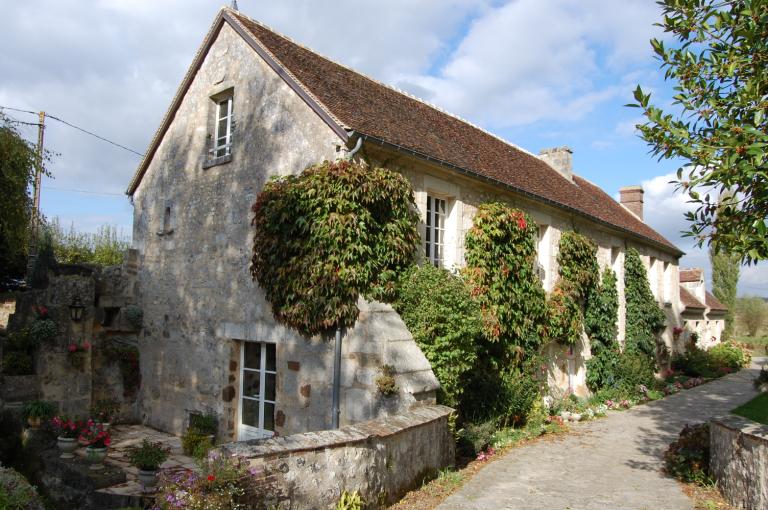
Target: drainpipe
335	410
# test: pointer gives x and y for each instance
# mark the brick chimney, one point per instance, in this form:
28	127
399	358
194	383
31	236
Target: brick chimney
559	158
632	199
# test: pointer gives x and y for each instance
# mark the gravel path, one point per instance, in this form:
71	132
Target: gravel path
610	463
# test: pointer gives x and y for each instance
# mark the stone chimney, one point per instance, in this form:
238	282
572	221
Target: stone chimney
632	199
559	158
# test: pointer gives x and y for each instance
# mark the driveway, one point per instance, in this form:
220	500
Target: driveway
610	463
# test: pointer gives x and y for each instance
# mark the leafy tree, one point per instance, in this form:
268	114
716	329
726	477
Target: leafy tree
18	161
725	278
323	238
751	311
719	125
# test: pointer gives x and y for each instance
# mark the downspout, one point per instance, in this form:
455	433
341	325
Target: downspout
335	396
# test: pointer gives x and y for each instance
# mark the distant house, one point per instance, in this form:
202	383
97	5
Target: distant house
703	314
253	105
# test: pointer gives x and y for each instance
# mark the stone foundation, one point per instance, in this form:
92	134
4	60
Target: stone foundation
381	459
739	461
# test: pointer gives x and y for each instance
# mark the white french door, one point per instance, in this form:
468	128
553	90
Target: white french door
258	377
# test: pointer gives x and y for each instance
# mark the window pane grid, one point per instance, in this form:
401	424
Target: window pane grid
434	237
223	134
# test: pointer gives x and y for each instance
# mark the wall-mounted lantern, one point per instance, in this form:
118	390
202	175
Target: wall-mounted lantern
76	309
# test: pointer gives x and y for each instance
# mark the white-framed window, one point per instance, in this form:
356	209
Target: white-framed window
222	137
543	254
258	380
434	234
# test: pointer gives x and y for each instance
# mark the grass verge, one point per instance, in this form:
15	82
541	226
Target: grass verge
756	409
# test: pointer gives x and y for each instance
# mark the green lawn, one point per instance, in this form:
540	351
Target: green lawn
756	409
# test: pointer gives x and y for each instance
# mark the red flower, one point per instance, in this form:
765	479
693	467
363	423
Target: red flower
72	347
86	345
211	478
521	223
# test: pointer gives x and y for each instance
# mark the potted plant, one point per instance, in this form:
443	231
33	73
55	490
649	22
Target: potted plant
98	440
105	411
200	434
67	430
148	458
37	411
77	353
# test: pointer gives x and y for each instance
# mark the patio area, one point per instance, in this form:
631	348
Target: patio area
125	436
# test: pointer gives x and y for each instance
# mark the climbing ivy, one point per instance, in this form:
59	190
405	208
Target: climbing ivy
645	320
578	269
321	239
577	262
500	255
601	314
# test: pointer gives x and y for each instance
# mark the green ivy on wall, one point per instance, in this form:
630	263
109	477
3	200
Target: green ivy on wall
601	314
337	231
645	320
500	256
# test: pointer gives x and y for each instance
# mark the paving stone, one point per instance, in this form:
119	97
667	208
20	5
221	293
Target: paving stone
609	463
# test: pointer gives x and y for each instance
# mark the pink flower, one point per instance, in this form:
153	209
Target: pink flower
86	345
72	348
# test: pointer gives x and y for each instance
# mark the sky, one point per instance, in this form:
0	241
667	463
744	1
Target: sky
539	73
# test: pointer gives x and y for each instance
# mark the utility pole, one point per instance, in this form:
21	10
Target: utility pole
35	216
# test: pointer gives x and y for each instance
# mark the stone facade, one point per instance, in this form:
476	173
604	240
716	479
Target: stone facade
201	303
381	459
739	461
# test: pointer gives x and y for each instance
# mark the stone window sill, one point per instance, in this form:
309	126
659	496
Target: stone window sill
221	160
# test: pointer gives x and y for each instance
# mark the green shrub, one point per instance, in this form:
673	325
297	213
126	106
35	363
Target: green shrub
476	437
687	458
16	493
106	247
17	363
349	501
721	359
134	315
42	330
148	456
39	409
726	355
626	372
204	423
445	322
323	238
196	444
19	340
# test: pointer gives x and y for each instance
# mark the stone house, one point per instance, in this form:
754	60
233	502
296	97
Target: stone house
702	314
253	105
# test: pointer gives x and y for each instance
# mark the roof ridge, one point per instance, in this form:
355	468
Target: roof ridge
379	82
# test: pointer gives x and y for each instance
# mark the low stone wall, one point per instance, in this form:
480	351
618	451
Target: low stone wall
739	461
381	459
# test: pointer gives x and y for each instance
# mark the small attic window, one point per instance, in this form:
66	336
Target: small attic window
222	138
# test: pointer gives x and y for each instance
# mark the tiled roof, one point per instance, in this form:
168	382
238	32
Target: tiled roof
377	110
689	301
714	303
381	113
690	275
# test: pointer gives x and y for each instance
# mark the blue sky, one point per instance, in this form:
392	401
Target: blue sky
539	73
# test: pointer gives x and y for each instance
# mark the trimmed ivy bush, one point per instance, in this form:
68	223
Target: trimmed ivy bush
577	263
500	256
445	321
323	238
645	320
565	322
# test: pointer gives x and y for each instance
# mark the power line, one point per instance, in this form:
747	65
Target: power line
75	127
84	191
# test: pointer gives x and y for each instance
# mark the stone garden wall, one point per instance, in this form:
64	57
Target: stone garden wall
381	459
739	461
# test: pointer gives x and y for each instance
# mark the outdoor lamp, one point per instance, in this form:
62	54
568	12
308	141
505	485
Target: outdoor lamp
76	309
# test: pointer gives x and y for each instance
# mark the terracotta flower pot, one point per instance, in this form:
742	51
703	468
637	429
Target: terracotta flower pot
34	422
148	479
96	456
67	445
